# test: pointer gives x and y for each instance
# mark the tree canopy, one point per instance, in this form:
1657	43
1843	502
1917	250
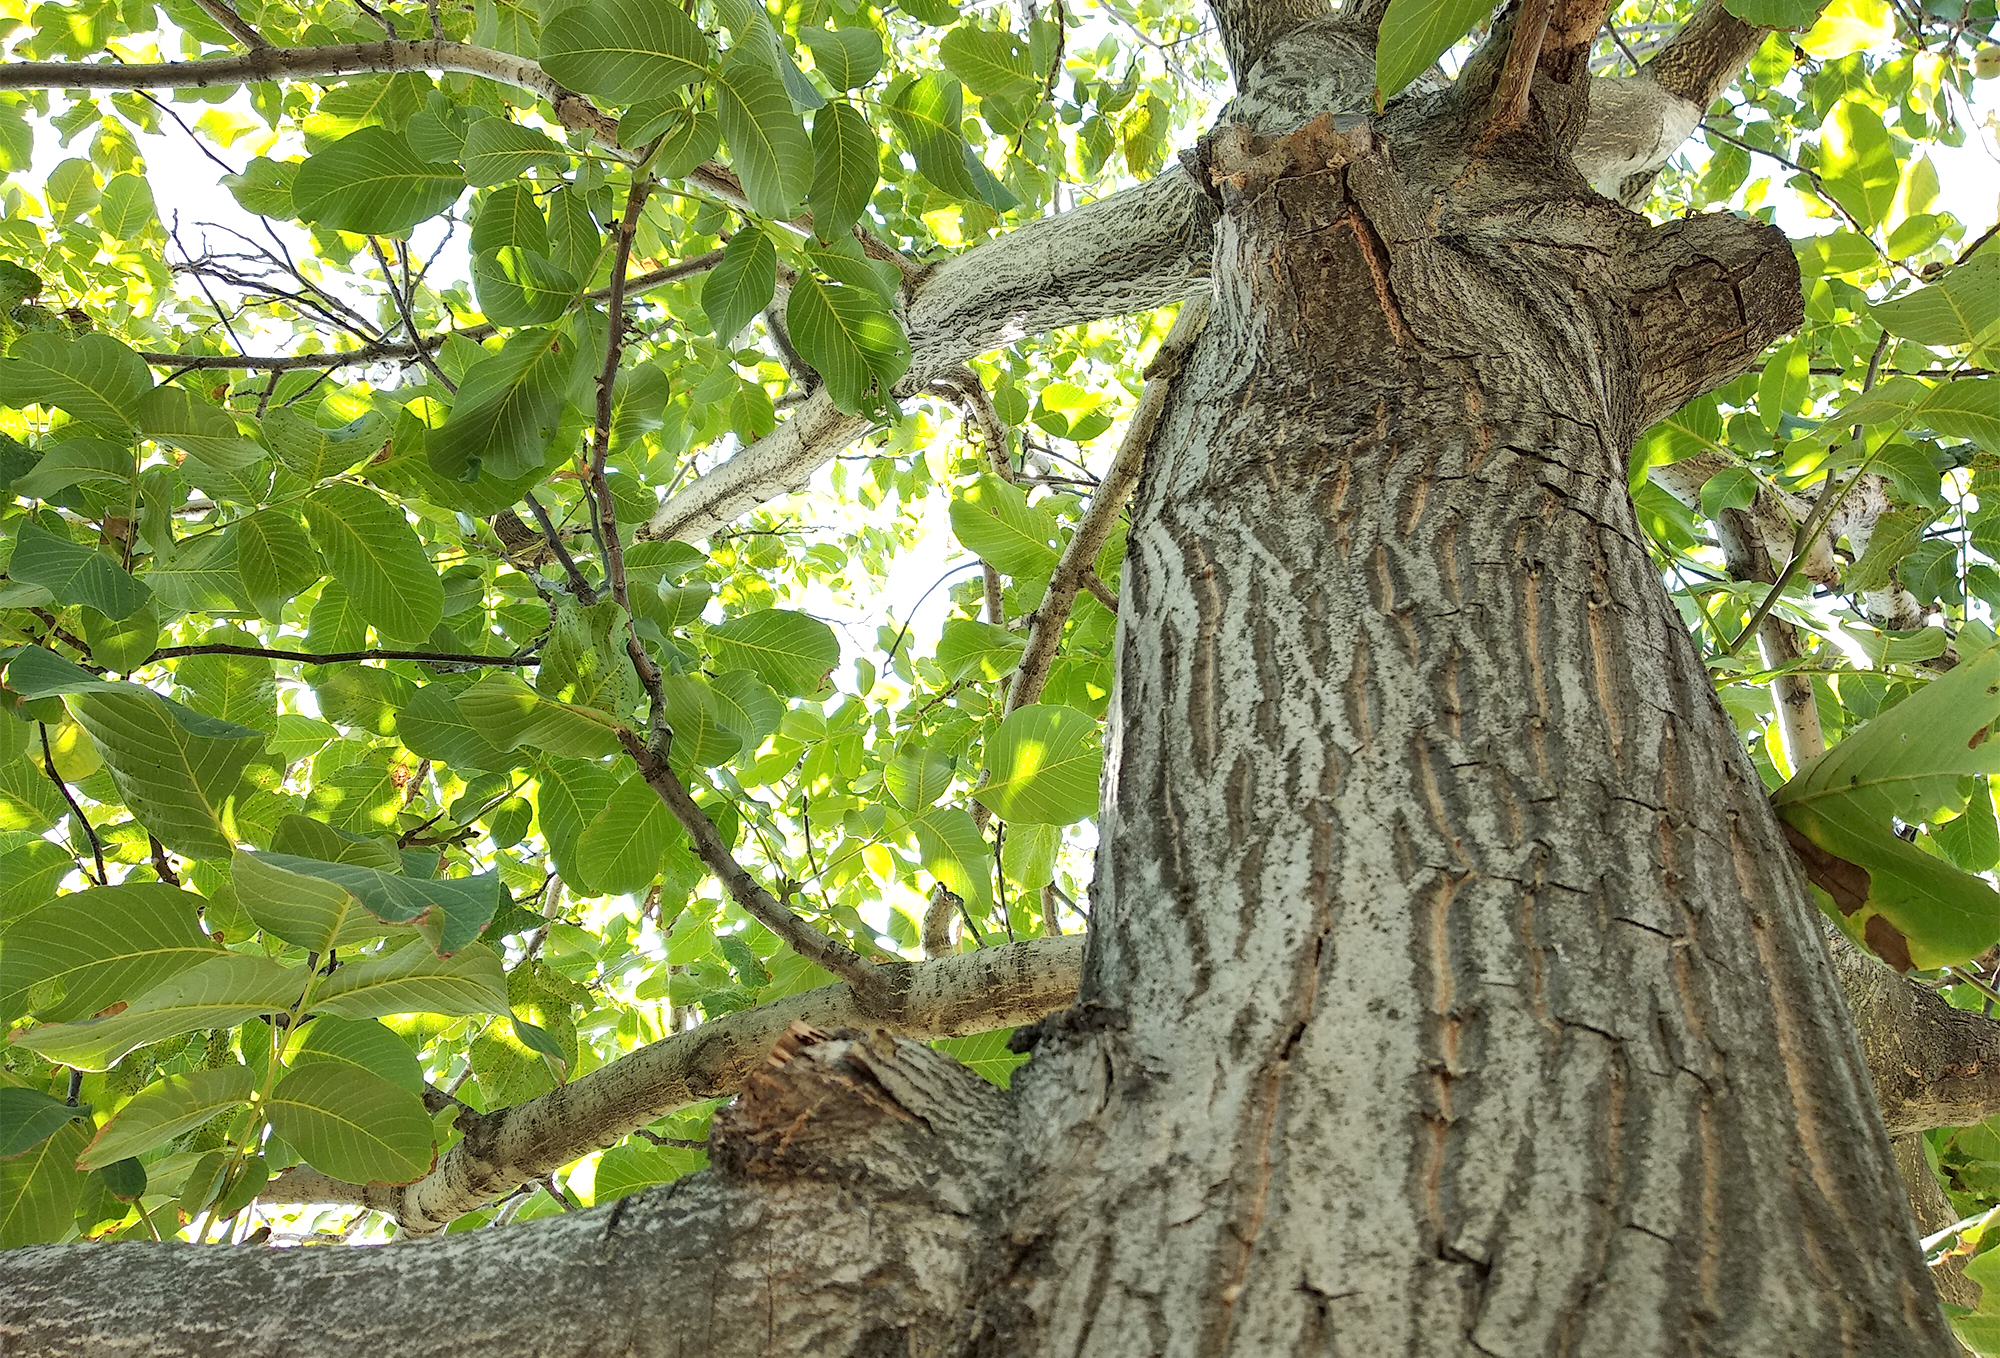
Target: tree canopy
465	608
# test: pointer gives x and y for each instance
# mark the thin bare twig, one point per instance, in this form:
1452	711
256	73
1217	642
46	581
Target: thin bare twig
90	833
339	657
224	14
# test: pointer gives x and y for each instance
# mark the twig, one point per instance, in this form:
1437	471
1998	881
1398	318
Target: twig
393	350
600	451
406	310
49	764
872	985
585	594
1080	556
675	1142
338	657
222	13
162	865
1517	74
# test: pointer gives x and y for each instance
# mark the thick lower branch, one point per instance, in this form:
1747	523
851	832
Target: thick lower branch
964	993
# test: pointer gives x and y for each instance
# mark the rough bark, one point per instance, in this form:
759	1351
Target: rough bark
1451	990
850	1181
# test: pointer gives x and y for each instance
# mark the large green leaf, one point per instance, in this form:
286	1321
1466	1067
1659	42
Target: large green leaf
508	713
29	1117
741	286
969	649
500	150
626	842
847	164
516	285
1905	765
375	554
955	853
456	908
791	652
767	143
433	725
352	1124
415	980
176	769
74	573
91	376
623	51
91	949
1043	765
220	993
371	182
1968	409
275	560
997	524
927	112
310	911
848	57
177	416
316	453
694	712
1414	34
507	407
161	1112
1858	162
851	338
39	1189
990	63
1957	309
365	1043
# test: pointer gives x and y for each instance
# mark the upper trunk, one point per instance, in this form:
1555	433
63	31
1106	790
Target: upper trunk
1451	991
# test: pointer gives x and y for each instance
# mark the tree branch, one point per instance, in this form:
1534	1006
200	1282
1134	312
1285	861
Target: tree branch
340	657
1106	504
949	996
1250	27
863	1169
874	985
390	350
223	13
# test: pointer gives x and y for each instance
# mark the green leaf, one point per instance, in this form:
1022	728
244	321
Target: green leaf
687	141
1730	488
995	522
767	144
275	560
703	737
91	949
74	573
1414	34
352	1124
928	112
509	216
1776	13
39	1189
848	57
916	778
623	51
220	993
176	769
455	908
985	1054
1858	162
415	980
373	552
1958	308
847	164
518	286
29	1117
510	714
432	725
1043	765
313	913
507	408
569	794
791	652
850	338
177	416
500	150
1905	765
990	63
161	1112
1967	409
265	187
738	289
127	207
365	1044
1028	854
978	650
372	183
626	843
316	453
91	376
955	853
121	644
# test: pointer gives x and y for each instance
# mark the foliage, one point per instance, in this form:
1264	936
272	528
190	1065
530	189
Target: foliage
314	781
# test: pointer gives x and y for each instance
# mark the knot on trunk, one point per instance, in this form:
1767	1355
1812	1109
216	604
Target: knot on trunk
864	1109
1235	163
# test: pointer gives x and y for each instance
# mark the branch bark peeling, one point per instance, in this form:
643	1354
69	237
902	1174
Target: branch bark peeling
946	997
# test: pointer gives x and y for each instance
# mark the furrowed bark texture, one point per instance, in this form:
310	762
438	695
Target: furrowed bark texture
1451	989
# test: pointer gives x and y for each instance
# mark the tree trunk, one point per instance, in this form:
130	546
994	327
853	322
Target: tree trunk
1451	990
